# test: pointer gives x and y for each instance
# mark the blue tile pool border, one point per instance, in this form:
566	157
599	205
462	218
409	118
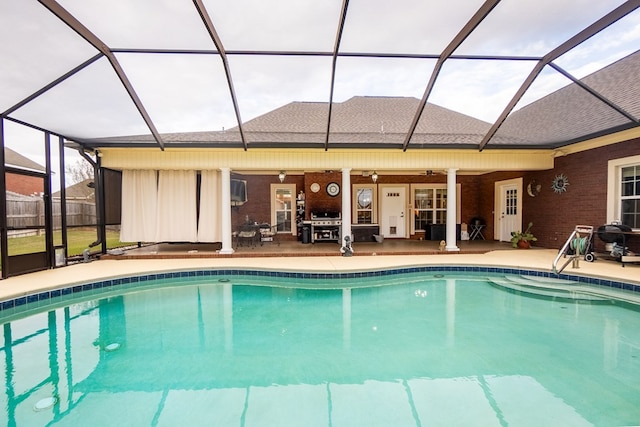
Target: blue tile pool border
141	280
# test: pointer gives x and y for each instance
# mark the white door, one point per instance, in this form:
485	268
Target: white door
392	210
509	214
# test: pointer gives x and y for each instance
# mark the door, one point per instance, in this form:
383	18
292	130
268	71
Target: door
510	208
28	234
393	209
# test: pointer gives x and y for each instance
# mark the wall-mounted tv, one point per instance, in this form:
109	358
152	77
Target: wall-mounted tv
238	192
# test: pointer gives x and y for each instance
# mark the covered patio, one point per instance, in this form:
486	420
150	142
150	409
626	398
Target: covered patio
298	249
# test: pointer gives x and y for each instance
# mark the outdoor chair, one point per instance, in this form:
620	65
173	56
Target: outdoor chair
247	235
268	233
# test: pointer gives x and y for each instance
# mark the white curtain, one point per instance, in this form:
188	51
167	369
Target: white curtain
139	206
177	217
209	225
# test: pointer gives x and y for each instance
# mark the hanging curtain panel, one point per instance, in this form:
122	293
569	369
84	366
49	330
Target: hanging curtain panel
209	226
139	206
177	217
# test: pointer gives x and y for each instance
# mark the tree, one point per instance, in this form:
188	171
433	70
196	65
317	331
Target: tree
78	171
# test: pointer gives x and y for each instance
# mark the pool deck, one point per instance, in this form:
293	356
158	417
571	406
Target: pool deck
114	267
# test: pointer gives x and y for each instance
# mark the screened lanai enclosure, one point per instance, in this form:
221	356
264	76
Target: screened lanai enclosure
80	77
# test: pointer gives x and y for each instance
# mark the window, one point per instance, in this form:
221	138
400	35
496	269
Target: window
283	207
512	202
364	204
424	202
430	206
623	191
630	196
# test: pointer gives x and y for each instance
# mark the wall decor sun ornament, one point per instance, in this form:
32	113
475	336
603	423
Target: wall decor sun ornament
560	183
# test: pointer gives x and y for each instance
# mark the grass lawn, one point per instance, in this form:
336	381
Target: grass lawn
78	239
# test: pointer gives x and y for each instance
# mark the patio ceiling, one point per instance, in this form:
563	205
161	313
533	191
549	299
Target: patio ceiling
96	71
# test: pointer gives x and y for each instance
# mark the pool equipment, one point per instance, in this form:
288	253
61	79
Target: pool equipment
579	243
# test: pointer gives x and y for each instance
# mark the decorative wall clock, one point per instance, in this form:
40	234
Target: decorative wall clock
560	183
333	189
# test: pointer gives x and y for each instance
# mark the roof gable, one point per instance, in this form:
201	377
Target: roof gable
365	114
13	159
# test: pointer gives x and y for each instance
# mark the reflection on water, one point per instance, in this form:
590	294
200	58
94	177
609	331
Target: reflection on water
423	351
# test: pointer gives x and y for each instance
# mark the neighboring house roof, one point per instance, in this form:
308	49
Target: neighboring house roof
13	159
79	191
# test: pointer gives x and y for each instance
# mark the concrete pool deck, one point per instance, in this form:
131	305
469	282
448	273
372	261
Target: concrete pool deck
535	259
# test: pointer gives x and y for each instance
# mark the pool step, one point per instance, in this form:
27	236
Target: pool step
547	280
549	287
557	288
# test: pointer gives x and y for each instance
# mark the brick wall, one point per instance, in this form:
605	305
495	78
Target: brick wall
258	206
321	201
23	184
555	215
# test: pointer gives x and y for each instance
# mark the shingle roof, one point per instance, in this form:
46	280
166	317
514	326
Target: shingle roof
79	190
364	120
359	120
571	112
19	161
564	116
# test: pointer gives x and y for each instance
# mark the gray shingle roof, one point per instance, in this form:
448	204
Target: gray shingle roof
357	121
561	117
571	112
19	161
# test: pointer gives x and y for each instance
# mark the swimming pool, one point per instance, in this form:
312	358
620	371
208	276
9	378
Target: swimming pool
406	347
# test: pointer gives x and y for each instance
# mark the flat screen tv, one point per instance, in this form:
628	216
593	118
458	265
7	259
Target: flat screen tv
238	192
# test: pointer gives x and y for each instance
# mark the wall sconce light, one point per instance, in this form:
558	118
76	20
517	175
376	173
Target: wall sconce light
374	176
281	176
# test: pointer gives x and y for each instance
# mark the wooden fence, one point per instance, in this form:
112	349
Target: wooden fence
30	213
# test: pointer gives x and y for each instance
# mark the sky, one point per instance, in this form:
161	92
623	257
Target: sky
189	92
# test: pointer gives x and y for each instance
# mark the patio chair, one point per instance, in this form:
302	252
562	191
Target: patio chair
268	233
247	235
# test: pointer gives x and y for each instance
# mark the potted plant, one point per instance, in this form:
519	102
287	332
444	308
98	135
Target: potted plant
523	240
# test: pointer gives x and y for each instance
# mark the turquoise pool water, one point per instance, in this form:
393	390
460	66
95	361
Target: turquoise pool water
415	349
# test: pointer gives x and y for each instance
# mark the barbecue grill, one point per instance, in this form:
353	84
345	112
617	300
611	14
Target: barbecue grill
326	226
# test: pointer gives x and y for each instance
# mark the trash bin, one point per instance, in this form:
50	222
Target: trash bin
306	233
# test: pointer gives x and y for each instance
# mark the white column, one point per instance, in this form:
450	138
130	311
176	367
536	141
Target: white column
346	203
451	210
225	217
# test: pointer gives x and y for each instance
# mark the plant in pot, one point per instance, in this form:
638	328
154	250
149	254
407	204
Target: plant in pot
523	239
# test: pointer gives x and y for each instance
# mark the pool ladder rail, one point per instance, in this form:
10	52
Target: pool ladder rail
578	244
